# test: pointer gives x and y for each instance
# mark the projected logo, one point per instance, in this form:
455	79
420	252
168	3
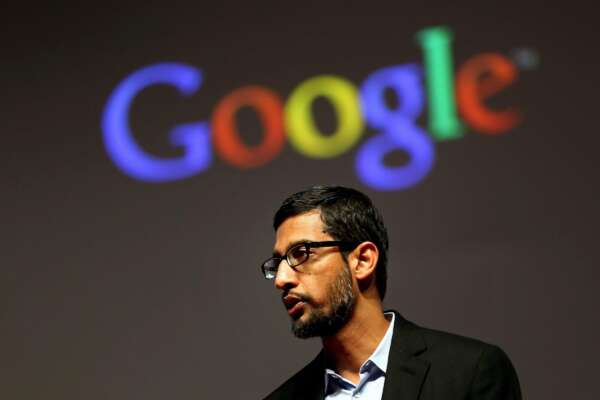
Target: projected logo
447	96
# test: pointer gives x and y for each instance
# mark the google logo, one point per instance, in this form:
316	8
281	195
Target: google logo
448	95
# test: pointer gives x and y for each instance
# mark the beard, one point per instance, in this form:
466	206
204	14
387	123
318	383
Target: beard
321	323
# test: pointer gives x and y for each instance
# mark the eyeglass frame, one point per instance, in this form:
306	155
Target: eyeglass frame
343	245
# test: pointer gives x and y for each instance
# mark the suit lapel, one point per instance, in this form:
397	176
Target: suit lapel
405	372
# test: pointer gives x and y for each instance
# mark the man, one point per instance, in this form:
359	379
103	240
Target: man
329	261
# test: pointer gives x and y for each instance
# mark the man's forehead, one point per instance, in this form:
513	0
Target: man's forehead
302	227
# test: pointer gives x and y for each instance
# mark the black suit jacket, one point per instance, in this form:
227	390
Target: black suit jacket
424	364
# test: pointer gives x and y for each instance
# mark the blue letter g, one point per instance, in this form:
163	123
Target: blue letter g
193	137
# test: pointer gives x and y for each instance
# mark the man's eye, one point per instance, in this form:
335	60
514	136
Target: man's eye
299	252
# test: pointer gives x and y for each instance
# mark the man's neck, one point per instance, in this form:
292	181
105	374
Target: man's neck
349	348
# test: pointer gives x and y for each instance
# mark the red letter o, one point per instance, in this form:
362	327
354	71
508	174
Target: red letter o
226	136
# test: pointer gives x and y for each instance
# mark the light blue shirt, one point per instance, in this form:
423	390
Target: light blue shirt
372	374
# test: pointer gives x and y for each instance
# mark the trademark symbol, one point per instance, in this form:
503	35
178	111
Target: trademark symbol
525	58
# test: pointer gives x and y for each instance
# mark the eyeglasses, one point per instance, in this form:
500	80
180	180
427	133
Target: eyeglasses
298	254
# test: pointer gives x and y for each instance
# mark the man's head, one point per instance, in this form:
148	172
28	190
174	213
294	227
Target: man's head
320	292
347	215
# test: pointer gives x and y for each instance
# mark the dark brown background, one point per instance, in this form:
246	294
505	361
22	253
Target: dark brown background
116	289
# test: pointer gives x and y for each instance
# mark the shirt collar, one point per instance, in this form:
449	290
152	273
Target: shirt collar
379	357
381	353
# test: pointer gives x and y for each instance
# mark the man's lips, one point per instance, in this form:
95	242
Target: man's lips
296	308
293	304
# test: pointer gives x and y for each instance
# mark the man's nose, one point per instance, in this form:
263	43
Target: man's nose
286	276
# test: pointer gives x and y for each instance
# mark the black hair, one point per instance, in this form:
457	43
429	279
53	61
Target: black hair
347	215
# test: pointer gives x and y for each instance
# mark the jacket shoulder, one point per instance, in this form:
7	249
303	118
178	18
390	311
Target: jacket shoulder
466	365
450	344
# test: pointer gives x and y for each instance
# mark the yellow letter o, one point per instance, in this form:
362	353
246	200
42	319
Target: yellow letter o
304	135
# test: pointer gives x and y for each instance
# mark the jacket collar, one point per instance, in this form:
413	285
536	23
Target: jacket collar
311	382
405	373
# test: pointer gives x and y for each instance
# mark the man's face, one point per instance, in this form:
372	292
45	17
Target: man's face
319	296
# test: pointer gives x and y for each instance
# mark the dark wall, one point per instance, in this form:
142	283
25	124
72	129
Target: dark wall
113	288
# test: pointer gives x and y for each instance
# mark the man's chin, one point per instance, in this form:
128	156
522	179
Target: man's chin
316	323
302	330
309	325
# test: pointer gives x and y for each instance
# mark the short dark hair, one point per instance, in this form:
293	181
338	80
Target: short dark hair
347	215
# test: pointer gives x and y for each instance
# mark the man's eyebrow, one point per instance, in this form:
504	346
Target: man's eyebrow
292	244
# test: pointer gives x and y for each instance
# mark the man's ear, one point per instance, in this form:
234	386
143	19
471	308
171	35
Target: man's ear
363	262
